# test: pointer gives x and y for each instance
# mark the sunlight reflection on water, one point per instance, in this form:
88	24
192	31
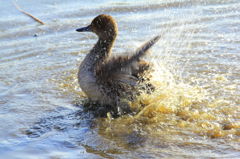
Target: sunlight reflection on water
194	112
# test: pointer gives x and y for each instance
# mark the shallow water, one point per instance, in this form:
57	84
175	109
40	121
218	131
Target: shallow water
194	113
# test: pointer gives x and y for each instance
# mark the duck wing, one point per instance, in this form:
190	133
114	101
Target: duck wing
127	64
116	64
126	71
125	74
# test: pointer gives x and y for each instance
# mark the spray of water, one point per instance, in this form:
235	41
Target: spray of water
180	104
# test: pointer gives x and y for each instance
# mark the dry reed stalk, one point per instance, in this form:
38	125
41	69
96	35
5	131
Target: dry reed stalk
28	14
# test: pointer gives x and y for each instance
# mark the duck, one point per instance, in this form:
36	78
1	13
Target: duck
113	80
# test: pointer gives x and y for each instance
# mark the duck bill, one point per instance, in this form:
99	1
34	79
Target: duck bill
84	29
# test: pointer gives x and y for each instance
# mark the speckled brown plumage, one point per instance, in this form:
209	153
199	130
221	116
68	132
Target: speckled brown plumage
113	80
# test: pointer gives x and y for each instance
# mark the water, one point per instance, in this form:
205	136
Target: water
194	113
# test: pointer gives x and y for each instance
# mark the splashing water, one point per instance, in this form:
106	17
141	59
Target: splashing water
178	106
194	113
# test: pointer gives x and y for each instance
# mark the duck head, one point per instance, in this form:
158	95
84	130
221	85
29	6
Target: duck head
104	26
